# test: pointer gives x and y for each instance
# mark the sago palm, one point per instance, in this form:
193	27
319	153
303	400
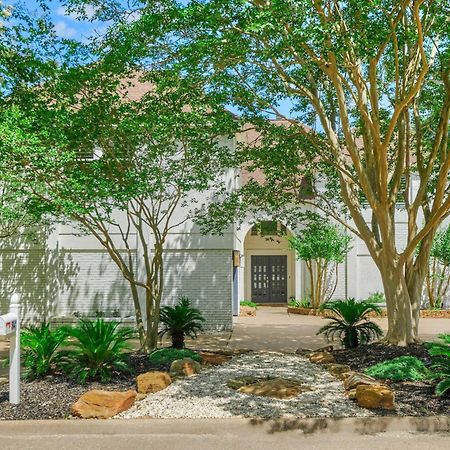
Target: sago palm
99	349
179	321
440	367
40	350
349	322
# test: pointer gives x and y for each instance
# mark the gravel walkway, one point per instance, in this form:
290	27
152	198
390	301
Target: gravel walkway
207	395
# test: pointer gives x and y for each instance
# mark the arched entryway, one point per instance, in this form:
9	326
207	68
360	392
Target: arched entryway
270	269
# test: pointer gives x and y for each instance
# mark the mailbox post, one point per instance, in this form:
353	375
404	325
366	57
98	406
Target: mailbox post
10	326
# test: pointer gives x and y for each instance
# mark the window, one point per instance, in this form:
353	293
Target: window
268	228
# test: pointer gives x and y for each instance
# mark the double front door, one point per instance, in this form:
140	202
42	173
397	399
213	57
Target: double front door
269	278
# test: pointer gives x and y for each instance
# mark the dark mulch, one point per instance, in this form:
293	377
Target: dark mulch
412	398
52	397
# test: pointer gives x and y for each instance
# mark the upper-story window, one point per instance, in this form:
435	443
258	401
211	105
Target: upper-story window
268	228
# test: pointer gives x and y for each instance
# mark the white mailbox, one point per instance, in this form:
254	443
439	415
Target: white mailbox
8	324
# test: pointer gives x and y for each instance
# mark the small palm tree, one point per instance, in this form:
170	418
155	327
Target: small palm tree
99	350
350	322
440	367
179	321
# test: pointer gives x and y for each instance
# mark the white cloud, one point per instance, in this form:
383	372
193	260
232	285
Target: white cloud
89	11
63	30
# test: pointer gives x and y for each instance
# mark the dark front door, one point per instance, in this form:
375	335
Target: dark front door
269	279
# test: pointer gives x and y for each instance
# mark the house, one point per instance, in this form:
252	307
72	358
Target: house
62	273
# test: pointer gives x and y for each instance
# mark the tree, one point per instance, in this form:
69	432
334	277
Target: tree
321	245
124	169
438	274
371	77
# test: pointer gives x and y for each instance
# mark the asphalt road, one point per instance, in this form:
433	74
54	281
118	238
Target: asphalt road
348	434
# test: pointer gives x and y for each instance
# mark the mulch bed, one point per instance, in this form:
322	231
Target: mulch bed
412	398
52	397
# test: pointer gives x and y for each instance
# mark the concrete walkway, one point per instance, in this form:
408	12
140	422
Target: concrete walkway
430	433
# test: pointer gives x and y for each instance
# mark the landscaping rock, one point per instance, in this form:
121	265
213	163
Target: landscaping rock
321	358
214	359
99	404
140	397
375	396
345	375
337	369
185	367
328	348
279	388
247	311
3	380
351	394
357	379
151	382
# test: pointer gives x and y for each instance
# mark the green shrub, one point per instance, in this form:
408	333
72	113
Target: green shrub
40	350
403	368
350	322
166	356
179	321
99	349
303	303
440	367
249	303
376	297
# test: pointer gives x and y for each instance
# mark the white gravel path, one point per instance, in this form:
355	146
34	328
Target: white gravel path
207	396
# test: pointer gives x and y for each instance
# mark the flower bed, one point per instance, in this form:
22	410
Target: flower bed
426	313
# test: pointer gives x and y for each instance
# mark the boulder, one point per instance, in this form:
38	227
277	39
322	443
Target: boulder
337	369
351	394
356	379
375	396
328	348
247	311
140	397
345	375
237	383
214	359
151	382
185	367
99	404
321	358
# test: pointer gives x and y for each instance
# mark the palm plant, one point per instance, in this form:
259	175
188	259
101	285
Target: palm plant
350	322
99	349
179	321
40	350
440	367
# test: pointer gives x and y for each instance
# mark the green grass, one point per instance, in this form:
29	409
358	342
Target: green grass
403	368
165	356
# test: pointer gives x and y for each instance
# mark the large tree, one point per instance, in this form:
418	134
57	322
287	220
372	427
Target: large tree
371	77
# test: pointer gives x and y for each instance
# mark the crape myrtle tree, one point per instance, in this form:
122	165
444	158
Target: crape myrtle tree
125	169
371	77
322	246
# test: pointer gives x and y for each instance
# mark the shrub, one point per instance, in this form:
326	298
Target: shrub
403	368
40	350
440	367
376	297
303	303
249	303
166	356
99	349
179	321
350	322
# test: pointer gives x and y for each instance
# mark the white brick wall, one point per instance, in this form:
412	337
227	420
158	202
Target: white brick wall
205	276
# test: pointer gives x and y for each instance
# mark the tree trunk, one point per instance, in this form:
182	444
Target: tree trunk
398	304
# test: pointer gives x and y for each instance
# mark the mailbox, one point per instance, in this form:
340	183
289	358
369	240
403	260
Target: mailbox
8	324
